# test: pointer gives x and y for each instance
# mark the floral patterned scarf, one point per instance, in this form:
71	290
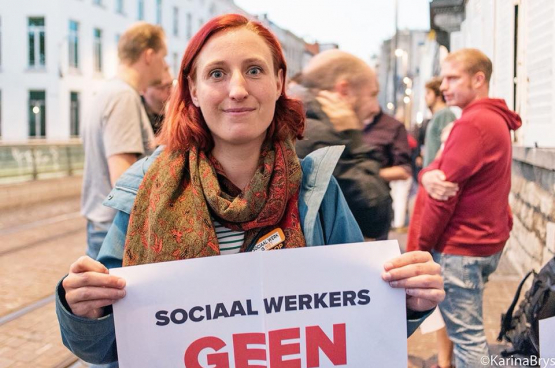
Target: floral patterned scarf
181	193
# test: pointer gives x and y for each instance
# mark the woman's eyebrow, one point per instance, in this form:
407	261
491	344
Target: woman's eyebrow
222	63
254	60
214	64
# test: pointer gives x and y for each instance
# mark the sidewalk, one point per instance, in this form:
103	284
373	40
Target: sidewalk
497	298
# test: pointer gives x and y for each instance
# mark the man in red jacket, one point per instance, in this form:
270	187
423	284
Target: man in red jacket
467	220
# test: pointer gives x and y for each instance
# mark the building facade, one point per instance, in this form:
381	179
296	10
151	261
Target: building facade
55	54
293	46
401	68
518	36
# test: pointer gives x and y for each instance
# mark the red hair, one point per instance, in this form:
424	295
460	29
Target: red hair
184	125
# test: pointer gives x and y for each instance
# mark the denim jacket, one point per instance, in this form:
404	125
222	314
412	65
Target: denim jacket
325	219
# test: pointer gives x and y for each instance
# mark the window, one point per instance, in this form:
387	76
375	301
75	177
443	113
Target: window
159	12
175	64
74	114
176	21
37	47
37	114
189	25
97	49
73	44
140	9
119	6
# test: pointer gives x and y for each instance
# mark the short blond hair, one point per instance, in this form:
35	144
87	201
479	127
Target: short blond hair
473	60
139	37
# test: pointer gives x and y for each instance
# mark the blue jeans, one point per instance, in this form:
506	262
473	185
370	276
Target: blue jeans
464	280
96	232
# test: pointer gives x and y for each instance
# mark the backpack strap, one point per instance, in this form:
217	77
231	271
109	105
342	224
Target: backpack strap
507	317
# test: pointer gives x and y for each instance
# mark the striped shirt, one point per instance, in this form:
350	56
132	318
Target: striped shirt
230	240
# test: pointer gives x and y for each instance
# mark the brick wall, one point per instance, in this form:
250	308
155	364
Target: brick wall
532	199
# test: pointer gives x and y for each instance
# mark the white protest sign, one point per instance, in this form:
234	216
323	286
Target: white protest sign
547	339
292	308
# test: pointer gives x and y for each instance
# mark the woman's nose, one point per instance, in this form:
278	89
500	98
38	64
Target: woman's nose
238	87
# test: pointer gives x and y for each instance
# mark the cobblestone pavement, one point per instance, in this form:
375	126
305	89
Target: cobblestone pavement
37	245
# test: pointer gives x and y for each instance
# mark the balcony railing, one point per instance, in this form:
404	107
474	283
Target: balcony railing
40	159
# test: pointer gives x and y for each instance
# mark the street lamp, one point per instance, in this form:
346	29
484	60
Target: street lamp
399	52
408	91
419	118
390	106
36	110
406	99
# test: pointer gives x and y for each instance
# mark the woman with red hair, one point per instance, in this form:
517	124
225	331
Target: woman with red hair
225	175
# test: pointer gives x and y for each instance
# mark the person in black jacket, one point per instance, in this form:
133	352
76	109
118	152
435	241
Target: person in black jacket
340	93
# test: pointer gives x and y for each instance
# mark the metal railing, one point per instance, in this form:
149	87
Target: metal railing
38	159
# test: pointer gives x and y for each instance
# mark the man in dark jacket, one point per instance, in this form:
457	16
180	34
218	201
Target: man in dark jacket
467	228
341	93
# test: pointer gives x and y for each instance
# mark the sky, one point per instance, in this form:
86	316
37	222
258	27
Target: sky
358	26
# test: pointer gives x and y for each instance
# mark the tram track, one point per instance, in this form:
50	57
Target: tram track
26	309
34	259
37	245
38	242
39	223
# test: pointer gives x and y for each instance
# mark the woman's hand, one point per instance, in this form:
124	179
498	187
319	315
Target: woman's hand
437	187
89	288
420	276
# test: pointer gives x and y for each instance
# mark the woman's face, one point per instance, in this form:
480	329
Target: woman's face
236	87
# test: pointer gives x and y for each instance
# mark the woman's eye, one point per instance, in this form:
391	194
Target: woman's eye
254	71
217	74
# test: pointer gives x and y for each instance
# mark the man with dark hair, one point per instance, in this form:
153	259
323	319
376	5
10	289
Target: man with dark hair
441	117
341	92
117	131
466	229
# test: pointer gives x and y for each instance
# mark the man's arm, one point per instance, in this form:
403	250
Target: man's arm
118	164
434	182
394	173
460	160
122	134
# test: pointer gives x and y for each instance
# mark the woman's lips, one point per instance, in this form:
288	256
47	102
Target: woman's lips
239	110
